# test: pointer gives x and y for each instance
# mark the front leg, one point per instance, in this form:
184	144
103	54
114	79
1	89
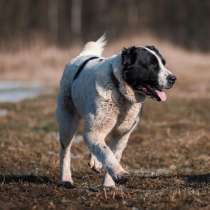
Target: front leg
118	145
94	164
97	146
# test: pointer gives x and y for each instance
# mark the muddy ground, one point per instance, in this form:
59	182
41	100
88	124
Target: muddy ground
168	155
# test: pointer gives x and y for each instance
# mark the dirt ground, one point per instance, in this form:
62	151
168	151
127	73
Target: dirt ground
168	155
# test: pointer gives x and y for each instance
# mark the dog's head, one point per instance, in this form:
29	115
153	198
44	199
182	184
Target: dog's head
144	70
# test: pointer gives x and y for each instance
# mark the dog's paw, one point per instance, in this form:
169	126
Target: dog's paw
108	181
94	164
121	178
67	185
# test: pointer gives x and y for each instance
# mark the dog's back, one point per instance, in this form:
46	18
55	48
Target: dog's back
90	49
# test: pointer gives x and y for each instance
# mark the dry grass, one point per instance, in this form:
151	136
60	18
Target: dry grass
168	155
44	63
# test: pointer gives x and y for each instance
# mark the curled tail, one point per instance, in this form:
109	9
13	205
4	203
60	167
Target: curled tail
94	48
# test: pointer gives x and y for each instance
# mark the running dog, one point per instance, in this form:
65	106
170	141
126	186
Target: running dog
108	95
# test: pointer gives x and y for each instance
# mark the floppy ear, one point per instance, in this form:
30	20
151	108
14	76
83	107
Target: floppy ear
128	56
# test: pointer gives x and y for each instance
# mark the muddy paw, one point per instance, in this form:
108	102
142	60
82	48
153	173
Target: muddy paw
122	178
67	185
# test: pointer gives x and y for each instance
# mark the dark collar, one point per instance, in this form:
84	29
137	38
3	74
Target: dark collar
83	65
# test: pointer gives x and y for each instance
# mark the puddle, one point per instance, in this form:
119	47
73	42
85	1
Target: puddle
12	91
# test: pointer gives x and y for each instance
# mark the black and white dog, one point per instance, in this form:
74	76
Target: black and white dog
107	93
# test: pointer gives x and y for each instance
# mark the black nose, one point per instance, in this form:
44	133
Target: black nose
171	79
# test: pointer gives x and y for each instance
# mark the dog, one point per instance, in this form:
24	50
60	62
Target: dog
108	95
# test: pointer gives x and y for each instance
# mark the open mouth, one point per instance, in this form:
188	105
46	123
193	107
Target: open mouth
153	92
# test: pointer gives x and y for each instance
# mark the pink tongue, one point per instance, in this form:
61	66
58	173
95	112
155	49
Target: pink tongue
161	95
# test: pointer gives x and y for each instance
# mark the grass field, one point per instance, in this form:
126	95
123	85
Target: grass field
168	155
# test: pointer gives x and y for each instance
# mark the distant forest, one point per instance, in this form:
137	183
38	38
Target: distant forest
184	22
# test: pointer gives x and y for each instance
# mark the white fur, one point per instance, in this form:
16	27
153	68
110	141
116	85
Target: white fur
65	164
107	111
94	48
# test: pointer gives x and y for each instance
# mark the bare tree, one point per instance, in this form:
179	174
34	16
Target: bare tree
76	18
53	19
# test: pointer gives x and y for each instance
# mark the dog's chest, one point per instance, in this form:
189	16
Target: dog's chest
128	116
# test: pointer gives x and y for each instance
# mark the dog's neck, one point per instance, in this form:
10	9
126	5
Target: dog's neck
124	88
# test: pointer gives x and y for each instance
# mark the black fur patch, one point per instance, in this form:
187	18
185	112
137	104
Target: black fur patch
153	48
140	67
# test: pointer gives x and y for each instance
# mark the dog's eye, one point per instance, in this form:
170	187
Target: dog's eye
153	60
154	63
154	66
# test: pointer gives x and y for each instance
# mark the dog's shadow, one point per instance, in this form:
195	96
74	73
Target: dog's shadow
197	179
11	178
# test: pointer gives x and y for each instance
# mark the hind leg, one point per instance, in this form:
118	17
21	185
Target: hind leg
68	122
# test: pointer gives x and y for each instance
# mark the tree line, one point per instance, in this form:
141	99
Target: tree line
66	21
